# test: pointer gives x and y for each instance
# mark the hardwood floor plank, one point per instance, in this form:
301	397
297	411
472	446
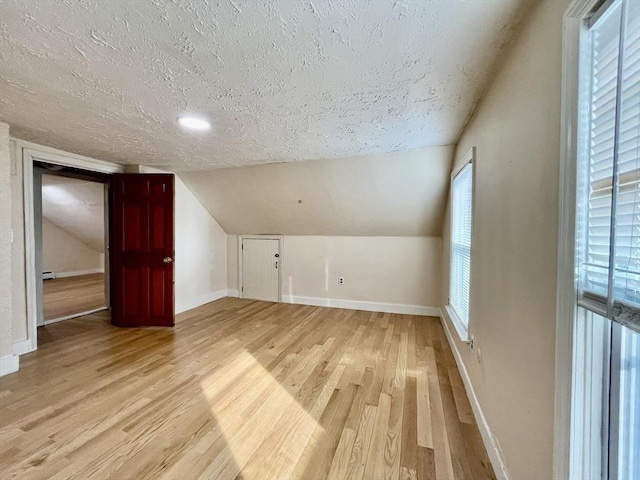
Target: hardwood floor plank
409	451
426	464
408	474
393	443
317	459
463	407
459	459
375	464
362	444
340	462
425	424
480	466
441	450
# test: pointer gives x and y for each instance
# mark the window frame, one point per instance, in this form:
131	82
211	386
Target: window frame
461	327
575	76
574	57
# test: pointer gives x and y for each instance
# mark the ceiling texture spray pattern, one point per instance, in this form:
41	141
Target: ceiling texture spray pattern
280	80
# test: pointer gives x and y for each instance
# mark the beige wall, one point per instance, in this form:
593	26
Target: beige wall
516	132
396	270
6	356
382	270
62	253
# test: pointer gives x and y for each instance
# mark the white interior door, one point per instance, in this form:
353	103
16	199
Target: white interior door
260	263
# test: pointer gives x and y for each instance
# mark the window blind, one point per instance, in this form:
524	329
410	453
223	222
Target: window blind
609	230
461	223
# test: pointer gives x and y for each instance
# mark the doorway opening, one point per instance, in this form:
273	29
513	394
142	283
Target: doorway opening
60	168
71	243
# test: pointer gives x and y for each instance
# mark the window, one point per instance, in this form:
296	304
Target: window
605	433
461	225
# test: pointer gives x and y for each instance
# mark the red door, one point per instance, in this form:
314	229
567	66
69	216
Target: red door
142	250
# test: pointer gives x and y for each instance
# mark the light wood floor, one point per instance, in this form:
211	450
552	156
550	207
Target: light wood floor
71	295
241	389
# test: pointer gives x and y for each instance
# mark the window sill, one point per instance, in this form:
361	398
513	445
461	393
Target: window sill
461	328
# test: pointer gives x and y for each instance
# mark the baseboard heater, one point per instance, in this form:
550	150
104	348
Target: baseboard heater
48	275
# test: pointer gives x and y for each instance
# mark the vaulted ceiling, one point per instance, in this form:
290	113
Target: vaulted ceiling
392	194
76	206
281	80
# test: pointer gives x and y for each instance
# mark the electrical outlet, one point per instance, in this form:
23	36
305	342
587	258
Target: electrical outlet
472	343
340	280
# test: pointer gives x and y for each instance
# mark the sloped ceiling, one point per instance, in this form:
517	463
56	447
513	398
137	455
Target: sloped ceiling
394	194
281	80
76	206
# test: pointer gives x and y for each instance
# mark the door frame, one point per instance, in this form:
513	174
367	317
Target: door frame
280	239
33	152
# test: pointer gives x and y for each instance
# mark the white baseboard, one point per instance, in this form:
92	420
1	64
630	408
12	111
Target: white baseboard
78	273
200	300
74	315
490	442
22	347
9	364
233	293
367	306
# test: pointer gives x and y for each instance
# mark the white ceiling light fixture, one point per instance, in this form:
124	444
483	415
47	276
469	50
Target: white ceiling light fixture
194	123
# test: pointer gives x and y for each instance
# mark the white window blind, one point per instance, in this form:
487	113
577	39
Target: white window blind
609	230
461	223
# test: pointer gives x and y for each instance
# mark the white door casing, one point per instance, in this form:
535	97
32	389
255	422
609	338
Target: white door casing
30	152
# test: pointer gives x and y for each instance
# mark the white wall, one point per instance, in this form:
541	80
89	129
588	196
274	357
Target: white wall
516	131
8	362
386	272
62	253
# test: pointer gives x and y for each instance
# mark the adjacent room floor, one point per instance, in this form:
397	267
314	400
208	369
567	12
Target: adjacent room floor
241	390
67	296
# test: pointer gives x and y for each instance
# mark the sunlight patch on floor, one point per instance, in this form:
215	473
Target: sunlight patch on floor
264	427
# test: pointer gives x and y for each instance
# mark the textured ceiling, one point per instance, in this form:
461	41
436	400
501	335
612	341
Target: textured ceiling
76	206
393	194
281	80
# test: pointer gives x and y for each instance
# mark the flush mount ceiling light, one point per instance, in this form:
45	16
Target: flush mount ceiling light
194	123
